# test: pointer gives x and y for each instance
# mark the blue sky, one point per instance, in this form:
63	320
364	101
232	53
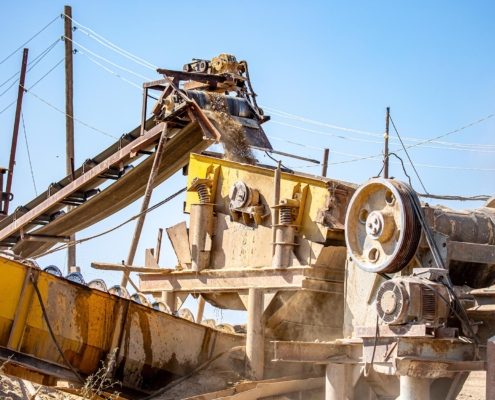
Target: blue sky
338	63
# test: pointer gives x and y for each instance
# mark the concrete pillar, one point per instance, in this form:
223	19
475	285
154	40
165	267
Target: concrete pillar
336	382
490	369
414	388
200	310
170	300
255	339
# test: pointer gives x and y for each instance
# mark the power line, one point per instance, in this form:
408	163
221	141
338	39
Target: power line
40	56
407	154
114	47
10	87
35	61
75	242
12	77
377	142
38	81
327	134
359	158
118	52
70	116
6	108
29	63
295	117
29	154
109	70
297	144
481	197
15	51
373	158
104	59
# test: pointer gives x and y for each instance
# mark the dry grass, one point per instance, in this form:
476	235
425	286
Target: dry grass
100	383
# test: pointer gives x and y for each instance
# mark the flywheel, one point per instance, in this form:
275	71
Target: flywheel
382	230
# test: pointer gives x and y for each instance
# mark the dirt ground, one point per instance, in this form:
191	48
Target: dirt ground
474	388
210	380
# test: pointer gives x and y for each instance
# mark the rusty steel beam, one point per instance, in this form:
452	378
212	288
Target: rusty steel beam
145	204
434	368
286	154
471	252
44	368
15	134
123	267
417	331
319	353
222	280
72	187
325	274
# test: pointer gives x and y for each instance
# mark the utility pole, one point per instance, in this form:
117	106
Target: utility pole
385	154
15	134
69	120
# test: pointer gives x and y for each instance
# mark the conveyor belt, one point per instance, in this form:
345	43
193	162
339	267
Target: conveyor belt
123	192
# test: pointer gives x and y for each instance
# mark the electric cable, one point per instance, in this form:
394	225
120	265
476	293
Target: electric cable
104	59
32	86
462	320
110	43
290	171
49	326
294	117
29	154
35	61
109	70
12	77
379	142
366	371
438	258
404	147
297	144
42	55
327	134
75	242
20	47
39	80
480	197
70	116
374	158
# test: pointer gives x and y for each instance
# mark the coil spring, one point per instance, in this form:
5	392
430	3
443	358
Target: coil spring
204	197
286	215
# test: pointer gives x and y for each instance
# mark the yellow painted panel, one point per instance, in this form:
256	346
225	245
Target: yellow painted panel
11	281
261	179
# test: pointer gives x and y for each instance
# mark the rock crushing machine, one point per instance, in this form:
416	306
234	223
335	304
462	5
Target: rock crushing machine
383	295
418	302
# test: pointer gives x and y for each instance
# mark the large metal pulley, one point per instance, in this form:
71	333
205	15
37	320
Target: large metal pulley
382	230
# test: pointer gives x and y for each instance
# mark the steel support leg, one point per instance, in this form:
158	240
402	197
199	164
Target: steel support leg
255	340
201	309
490	369
169	299
414	388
